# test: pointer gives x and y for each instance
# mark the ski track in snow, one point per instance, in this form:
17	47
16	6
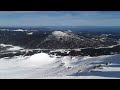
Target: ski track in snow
42	66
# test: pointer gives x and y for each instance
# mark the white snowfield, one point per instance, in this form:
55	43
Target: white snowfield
20	30
4	45
64	34
60	34
14	48
11	47
44	66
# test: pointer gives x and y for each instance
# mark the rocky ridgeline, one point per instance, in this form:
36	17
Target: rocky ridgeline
55	39
88	43
72	52
11	54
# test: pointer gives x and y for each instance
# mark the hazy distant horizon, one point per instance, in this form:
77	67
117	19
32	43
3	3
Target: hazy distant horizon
72	28
59	26
59	18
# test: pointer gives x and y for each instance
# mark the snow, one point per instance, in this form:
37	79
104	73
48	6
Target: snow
4	45
44	66
14	48
31	33
20	30
60	34
64	35
108	69
10	47
79	77
112	46
40	59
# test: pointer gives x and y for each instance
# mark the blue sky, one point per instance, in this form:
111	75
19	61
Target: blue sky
59	18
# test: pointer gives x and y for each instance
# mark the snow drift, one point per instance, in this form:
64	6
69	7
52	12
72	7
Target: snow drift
42	65
39	59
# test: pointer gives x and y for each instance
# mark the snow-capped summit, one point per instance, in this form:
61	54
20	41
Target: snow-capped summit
61	39
64	34
60	34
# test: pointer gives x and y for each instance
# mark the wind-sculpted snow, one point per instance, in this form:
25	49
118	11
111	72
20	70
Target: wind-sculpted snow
17	62
43	66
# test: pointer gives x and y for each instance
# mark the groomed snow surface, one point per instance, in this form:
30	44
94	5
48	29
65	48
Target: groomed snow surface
44	66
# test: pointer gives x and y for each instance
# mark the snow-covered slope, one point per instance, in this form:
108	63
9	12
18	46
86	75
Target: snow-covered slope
66	35
60	34
10	47
61	40
42	66
20	30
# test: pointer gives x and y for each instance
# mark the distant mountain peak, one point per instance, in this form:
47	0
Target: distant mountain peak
60	34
